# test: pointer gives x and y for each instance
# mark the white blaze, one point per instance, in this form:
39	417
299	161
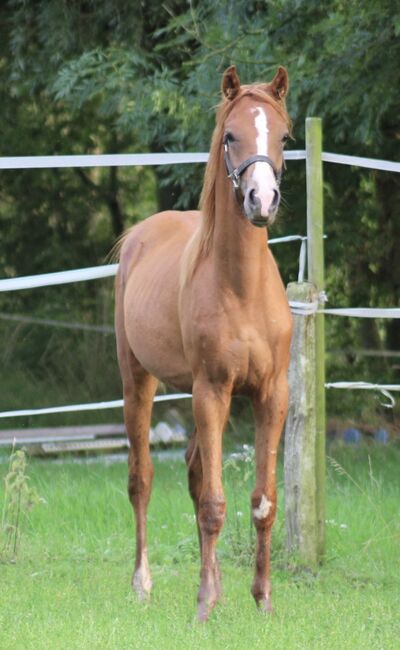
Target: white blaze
262	172
261	124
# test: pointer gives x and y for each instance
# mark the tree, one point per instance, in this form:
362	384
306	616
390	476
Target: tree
110	76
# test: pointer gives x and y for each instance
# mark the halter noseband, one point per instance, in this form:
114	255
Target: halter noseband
234	173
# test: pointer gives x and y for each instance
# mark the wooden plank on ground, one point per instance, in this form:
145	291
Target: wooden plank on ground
51	434
85	445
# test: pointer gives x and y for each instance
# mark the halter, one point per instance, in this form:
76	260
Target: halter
234	173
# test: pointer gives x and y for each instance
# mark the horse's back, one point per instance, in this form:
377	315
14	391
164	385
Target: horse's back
157	240
148	279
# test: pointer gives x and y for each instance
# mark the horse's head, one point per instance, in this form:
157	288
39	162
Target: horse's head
254	133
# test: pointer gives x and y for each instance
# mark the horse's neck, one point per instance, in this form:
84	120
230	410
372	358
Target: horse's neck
239	248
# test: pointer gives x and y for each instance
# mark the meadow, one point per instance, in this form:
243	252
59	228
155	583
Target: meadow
67	585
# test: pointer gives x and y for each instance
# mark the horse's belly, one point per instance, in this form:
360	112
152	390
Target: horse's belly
161	358
153	330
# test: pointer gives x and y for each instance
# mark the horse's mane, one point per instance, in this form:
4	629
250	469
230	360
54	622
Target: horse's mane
200	244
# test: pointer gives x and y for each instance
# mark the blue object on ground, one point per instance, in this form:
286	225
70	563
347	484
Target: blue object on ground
381	436
352	436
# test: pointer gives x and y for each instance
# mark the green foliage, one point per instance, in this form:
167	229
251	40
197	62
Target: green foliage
109	76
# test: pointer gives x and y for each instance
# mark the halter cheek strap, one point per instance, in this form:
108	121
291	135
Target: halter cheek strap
234	173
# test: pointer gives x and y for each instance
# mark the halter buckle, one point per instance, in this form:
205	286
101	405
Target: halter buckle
235	178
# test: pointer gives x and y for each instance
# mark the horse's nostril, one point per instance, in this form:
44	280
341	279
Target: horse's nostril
252	198
275	200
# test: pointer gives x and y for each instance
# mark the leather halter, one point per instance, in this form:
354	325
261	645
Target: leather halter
234	173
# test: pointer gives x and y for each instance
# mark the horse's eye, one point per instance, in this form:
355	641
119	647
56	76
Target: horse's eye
229	137
285	138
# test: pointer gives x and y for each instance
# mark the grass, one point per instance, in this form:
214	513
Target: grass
70	584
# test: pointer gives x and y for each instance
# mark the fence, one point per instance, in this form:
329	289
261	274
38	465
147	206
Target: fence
305	507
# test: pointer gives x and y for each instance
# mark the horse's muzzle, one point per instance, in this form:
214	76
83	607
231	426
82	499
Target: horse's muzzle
259	213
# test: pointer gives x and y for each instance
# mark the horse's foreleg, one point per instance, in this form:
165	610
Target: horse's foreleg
210	407
270	416
138	400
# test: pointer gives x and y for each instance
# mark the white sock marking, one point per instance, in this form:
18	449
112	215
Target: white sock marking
142	579
263	509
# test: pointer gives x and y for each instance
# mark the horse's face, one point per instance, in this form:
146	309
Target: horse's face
254	129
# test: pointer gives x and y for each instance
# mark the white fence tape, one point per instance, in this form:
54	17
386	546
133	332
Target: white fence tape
30	320
362	385
115	160
103	160
384	389
308	308
89	273
60	277
289	238
303	308
151	159
356	161
93	406
364	312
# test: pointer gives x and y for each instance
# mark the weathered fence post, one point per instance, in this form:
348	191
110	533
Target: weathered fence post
300	448
305	425
316	275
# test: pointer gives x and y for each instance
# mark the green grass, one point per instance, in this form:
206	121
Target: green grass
70	585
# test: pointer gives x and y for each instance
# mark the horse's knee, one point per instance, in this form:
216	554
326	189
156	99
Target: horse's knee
263	510
212	514
194	483
191	448
140	482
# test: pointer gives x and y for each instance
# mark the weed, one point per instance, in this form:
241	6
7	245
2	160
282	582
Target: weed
239	468
19	498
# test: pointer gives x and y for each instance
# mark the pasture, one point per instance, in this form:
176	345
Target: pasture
70	584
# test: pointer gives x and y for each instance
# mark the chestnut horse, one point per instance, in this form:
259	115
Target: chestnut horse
200	305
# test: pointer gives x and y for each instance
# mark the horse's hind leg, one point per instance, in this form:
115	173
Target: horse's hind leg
195	475
138	389
138	402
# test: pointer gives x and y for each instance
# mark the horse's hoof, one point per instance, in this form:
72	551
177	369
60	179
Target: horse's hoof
141	585
205	607
202	613
264	605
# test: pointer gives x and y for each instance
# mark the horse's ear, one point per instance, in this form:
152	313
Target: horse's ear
230	83
279	85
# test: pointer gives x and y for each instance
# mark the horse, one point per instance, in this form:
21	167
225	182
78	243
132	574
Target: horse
200	305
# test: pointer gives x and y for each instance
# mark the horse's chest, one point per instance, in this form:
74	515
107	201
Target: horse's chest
242	358
239	343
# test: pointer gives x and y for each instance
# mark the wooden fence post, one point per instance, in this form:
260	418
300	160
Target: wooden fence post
300	434
316	275
305	425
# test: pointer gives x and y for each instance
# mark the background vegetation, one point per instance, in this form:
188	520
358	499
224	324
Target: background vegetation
107	76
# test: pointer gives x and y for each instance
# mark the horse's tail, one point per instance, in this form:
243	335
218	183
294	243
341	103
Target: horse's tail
114	254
